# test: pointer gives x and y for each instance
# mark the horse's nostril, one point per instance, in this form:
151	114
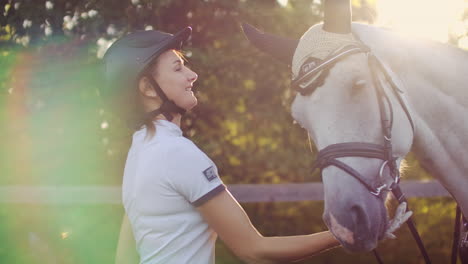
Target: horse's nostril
358	216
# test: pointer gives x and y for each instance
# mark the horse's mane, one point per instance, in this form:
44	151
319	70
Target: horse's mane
422	45
442	65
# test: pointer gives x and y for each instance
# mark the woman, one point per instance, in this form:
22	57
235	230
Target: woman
174	199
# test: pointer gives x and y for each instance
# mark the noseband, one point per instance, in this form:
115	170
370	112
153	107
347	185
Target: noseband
308	81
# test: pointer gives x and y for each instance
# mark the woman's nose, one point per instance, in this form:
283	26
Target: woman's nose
193	76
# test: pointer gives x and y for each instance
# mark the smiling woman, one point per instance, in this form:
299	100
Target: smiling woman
173	197
433	19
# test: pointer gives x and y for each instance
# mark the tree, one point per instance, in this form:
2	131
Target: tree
58	132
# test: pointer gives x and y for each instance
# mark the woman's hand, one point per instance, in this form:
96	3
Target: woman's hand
401	216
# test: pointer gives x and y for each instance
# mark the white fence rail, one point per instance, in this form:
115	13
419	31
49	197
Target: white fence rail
242	192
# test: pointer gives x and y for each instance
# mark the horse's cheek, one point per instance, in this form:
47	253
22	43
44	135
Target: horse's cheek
298	111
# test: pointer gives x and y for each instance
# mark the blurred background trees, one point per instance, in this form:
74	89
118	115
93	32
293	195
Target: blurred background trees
57	132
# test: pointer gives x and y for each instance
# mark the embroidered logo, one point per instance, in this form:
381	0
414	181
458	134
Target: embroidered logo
210	173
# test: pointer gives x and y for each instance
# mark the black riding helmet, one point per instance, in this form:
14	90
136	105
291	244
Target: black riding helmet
129	58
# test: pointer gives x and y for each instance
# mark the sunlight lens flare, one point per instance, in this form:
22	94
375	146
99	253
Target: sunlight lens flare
282	3
432	19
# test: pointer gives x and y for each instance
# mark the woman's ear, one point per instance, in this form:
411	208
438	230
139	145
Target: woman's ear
145	88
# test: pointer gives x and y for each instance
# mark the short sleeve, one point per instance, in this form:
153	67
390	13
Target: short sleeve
192	173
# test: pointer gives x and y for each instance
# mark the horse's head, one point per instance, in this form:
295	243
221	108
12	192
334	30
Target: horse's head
340	104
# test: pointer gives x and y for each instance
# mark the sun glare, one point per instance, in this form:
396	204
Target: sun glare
433	19
283	3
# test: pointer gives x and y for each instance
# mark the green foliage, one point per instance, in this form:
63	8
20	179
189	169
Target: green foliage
62	234
58	131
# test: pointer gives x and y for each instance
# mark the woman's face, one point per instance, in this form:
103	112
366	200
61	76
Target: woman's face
175	79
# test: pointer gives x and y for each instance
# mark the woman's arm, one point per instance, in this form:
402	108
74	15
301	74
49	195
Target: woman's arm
126	250
228	219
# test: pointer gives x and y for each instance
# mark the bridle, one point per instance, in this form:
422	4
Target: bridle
312	74
309	80
328	156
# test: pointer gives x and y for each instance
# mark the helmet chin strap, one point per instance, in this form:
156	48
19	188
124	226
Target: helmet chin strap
167	108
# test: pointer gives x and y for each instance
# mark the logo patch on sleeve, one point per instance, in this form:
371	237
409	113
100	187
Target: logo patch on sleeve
210	173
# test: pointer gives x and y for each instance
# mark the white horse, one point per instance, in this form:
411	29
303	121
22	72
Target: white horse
433	80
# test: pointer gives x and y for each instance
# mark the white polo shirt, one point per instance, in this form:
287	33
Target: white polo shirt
165	178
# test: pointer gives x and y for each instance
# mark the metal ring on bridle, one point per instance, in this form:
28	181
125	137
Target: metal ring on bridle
382	167
379	189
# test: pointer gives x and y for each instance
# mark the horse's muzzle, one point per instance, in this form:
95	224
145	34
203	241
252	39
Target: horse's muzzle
358	229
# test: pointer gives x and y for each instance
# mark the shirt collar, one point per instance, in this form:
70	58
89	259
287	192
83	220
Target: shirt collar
169	127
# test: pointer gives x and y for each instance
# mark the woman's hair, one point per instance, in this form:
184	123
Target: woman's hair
141	115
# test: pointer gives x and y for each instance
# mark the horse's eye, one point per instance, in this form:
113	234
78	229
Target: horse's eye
359	84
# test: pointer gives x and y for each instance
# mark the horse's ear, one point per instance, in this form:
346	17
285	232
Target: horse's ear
278	47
